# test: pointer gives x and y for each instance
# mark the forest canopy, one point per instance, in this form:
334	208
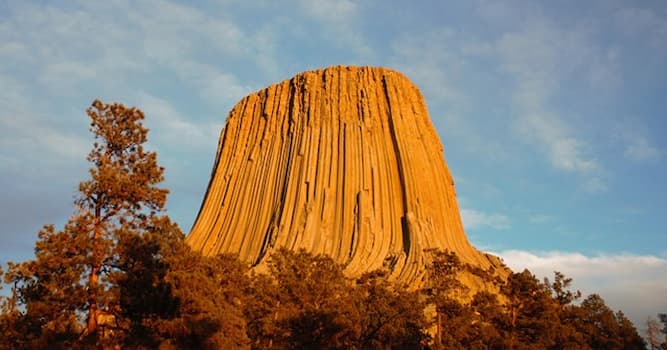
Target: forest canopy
119	275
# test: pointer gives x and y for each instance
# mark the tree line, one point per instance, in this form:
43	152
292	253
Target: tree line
119	275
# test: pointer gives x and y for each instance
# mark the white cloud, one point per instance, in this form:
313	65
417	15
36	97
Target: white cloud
69	53
545	128
540	218
474	219
431	59
164	57
340	20
640	149
594	184
541	57
330	10
632	134
26	132
566	154
98	41
216	86
437	62
172	31
170	127
629	282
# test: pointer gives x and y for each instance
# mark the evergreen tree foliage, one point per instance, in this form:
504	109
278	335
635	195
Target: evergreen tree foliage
120	197
390	317
171	297
119	275
66	297
301	305
306	302
653	334
452	319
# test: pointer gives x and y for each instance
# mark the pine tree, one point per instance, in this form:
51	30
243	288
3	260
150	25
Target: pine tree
121	194
313	308
307	303
653	335
388	316
445	292
603	328
67	293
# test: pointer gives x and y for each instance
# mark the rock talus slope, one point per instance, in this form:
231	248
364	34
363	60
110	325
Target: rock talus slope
343	161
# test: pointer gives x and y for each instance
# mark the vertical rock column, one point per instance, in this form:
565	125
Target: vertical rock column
342	161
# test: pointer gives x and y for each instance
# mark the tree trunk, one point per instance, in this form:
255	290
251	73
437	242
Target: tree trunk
94	275
438	332
92	299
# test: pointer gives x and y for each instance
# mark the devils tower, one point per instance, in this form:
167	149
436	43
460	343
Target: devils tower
342	161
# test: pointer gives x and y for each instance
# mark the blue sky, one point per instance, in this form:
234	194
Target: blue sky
552	114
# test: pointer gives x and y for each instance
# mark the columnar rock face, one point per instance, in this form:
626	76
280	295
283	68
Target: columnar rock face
343	161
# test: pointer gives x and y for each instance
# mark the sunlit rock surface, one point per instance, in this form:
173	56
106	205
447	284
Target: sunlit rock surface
343	161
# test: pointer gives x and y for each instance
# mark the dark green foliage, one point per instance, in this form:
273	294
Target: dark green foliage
310	308
443	274
299	304
49	294
166	296
260	311
67	295
663	320
172	297
458	325
603	329
488	314
528	314
307	303
531	317
119	273
390	317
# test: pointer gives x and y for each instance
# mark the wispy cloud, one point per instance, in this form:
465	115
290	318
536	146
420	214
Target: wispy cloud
216	86
635	141
533	61
540	218
434	61
643	24
330	10
474	219
540	57
340	20
629	282
640	149
171	127
67	52
160	56
26	131
438	62
93	42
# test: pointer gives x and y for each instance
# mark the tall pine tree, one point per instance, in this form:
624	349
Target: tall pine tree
66	293
121	195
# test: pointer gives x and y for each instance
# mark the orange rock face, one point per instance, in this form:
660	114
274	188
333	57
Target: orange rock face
342	161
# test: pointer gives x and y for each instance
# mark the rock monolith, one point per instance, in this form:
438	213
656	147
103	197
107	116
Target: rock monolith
342	161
